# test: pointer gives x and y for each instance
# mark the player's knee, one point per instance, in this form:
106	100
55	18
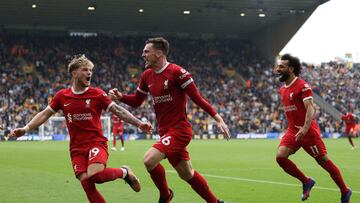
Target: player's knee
149	164
186	174
81	176
321	159
280	160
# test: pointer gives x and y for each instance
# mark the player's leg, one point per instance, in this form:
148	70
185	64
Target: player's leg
79	162
194	178
114	139
152	159
122	141
289	146
89	187
317	150
97	172
350	136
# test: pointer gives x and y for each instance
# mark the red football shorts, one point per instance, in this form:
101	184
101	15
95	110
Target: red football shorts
118	130
81	158
349	129
311	142
173	144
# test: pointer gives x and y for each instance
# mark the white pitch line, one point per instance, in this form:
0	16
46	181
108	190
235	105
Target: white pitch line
264	181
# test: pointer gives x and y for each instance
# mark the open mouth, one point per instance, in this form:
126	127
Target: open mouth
88	79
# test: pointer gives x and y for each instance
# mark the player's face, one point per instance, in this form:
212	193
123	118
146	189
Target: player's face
150	55
283	71
83	75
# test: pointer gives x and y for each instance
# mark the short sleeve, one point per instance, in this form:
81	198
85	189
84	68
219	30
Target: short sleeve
183	77
143	87
306	92
55	103
104	101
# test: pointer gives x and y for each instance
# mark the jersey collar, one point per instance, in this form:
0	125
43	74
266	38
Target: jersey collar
163	68
292	82
80	92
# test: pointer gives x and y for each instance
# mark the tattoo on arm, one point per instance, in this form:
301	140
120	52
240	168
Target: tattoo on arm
125	115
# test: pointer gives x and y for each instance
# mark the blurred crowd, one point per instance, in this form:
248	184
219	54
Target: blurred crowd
228	72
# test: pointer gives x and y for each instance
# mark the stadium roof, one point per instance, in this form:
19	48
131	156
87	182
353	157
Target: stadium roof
157	16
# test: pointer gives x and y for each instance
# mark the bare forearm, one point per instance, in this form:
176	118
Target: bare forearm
309	116
39	119
125	115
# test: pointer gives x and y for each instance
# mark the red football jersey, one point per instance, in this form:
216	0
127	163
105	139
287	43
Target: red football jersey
116	120
82	111
349	119
292	97
166	87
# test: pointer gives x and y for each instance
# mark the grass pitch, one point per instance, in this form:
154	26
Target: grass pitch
237	171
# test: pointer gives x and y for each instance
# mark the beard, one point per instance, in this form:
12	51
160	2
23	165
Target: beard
83	83
284	77
147	64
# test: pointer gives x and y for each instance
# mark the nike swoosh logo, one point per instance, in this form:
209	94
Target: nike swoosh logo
67	104
150	85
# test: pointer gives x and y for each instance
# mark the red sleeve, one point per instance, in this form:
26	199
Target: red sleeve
195	96
55	103
105	101
306	92
343	117
182	77
134	100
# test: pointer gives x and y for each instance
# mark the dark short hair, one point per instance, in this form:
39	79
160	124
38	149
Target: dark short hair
293	62
159	43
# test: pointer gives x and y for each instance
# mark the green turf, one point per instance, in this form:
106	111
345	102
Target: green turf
237	171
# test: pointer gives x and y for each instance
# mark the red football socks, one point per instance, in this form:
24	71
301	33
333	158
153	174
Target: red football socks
289	167
92	194
199	184
108	174
158	177
335	174
114	141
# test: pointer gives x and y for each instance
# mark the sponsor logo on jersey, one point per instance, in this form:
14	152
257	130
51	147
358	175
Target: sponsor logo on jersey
290	108
306	87
79	117
162	99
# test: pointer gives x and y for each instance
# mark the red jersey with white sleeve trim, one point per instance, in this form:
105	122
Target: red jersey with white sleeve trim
293	97
82	111
166	87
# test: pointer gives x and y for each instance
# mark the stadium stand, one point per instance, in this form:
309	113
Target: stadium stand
228	72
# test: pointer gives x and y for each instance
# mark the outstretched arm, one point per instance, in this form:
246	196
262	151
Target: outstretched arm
195	96
38	119
133	100
126	116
